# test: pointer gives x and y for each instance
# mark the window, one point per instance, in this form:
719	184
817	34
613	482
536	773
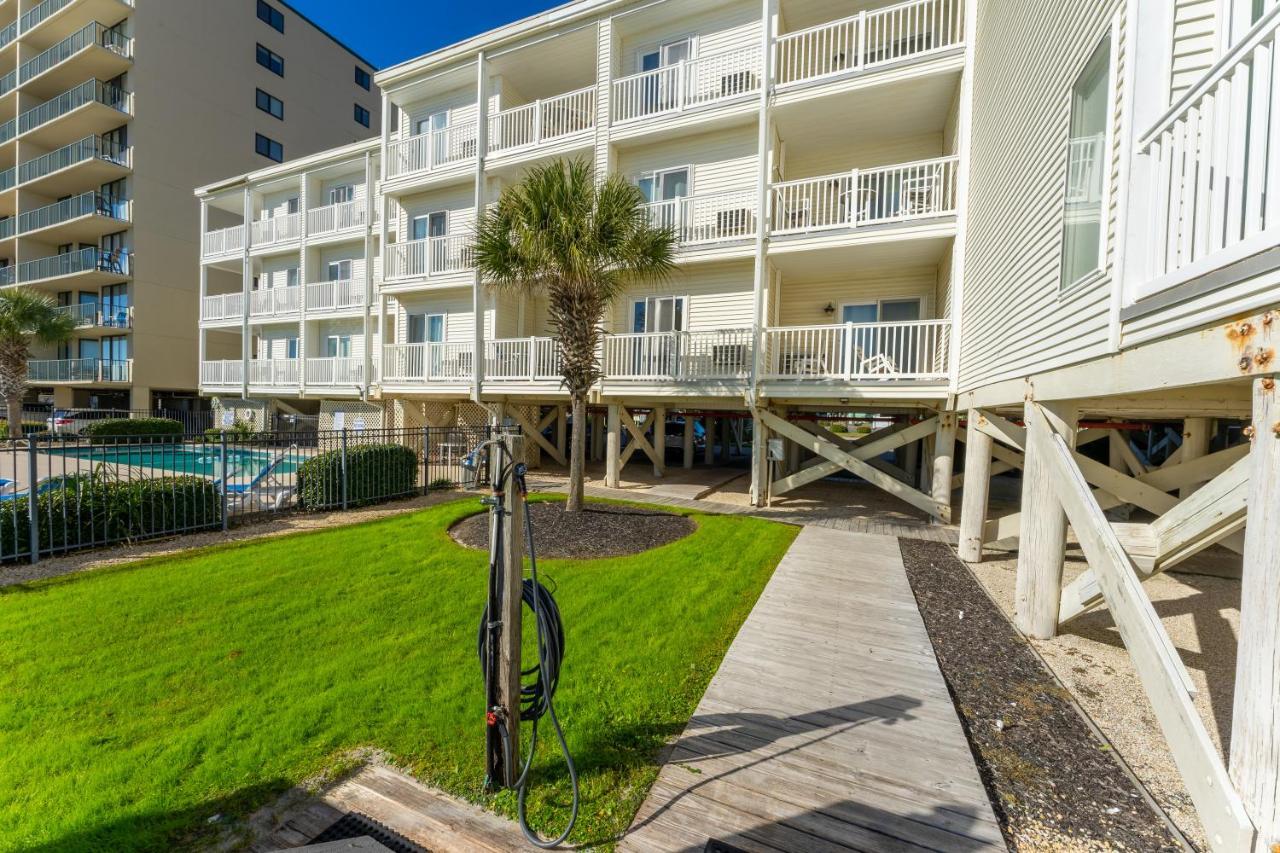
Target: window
291	347
342	194
362	115
340	270
658	314
432	225
337	346
271	60
291	277
268	148
363	80
1083	224
272	16
424	329
271	104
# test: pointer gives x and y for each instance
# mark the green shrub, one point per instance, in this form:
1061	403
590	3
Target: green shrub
374	472
28	428
116	428
238	431
89	510
442	483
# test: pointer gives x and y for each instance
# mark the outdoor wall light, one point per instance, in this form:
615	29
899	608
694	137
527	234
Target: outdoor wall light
829	310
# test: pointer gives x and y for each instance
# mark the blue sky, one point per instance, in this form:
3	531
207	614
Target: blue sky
385	32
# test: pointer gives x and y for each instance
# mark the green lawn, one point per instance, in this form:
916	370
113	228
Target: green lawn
138	703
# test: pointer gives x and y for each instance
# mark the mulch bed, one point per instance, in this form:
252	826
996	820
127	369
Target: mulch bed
1054	784
600	530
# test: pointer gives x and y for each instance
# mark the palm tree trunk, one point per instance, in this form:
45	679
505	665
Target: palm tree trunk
13	403
577	453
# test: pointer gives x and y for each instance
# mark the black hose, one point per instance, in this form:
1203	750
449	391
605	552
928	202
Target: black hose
536	695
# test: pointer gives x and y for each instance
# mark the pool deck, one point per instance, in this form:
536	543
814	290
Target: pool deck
828	725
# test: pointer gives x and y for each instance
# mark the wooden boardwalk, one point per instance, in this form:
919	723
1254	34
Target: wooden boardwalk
828	725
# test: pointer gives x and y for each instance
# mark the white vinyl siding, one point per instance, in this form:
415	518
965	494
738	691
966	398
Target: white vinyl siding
723	29
275	271
459	326
319	331
801	302
1015	320
719	297
458	201
1195	43
331	254
277	203
721	162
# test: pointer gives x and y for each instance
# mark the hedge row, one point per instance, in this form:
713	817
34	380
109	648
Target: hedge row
87	510
116	428
374	472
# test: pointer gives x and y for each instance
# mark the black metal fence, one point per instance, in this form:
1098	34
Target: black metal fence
64	493
68	420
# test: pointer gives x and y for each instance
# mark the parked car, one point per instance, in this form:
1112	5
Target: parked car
71	421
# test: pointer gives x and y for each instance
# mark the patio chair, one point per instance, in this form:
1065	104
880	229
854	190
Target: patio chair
879	365
48	484
264	490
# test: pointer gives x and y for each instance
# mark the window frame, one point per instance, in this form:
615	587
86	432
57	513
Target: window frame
367	118
364	79
268	58
272	101
271	146
271	16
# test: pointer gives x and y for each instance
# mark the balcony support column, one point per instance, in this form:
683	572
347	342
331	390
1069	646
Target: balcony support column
367	302
479	302
944	451
759	461
246	286
977	488
613	452
764	165
709	440
687	441
1195	443
659	417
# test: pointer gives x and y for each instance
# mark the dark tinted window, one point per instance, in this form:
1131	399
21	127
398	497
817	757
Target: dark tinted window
269	103
363	80
362	115
271	15
268	148
271	60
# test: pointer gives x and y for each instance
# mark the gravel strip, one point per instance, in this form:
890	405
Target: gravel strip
1054	784
600	530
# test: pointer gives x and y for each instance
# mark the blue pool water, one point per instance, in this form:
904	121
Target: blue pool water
201	460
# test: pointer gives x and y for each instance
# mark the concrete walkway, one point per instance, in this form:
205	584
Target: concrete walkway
828	725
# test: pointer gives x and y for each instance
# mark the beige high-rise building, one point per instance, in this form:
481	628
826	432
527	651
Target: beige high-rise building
111	113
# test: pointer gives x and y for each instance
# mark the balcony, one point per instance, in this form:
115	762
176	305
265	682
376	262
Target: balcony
93	51
1207	173
427	363
222	374
85	162
522	359
284	302
266	233
714	355
223	242
329	297
46	26
264	372
710	218
543	122
8	35
687	84
862	197
433	256
869	40
88	315
91	264
83	218
95	106
335	218
79	370
344	371
432	151
858	352
224	306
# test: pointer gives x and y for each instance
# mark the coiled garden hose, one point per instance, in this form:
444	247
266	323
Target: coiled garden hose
536	696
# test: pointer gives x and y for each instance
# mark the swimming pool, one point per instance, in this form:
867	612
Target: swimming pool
202	460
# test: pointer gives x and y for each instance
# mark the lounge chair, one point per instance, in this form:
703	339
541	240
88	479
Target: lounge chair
264	489
46	485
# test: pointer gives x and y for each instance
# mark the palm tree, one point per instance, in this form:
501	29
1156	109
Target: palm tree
25	318
580	243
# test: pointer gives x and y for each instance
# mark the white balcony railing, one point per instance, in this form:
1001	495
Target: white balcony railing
89	148
274	371
334	218
224	306
868	39
222	373
688	83
543	121
275	302
335	295
709	218
432	150
224	241
343	371
79	370
277	229
105	314
88	92
432	256
909	191
1212	166
723	354
435	362
528	359
858	351
87	260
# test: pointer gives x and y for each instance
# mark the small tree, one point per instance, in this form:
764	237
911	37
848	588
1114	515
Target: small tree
25	317
580	243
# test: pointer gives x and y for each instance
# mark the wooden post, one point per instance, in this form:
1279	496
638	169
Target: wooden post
726	439
561	422
659	441
1195	443
927	445
911	462
1255	736
944	454
759	461
1043	541
688	440
597	437
709	440
512	604
977	489
613	451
